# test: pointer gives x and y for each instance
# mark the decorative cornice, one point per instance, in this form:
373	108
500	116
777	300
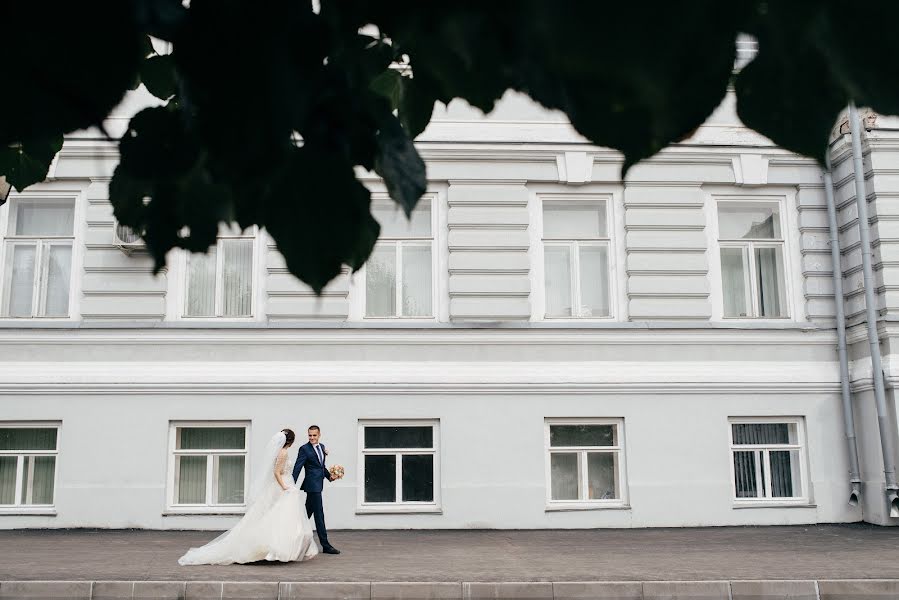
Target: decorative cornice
419	377
668	333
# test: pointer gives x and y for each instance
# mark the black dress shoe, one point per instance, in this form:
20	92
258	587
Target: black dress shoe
330	550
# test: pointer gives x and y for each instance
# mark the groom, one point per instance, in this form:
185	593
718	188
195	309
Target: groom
312	456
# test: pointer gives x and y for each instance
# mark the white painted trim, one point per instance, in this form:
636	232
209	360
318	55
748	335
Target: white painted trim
614	240
399	506
801	446
439	266
32	509
172	507
785	197
62	190
619	450
176	280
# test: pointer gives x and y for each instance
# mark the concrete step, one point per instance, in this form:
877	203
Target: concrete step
844	589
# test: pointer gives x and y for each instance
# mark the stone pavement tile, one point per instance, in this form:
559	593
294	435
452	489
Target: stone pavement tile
112	590
63	590
249	590
386	590
203	590
326	590
773	590
857	589
533	590
686	590
598	590
159	590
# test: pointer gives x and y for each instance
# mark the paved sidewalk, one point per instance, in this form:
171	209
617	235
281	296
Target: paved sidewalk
825	552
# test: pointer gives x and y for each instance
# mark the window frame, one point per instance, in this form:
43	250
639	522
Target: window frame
801	446
399	506
358	288
172	506
179	286
38	195
785	243
32	509
609	241
583	503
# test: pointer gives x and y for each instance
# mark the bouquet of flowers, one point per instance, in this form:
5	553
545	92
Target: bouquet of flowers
336	472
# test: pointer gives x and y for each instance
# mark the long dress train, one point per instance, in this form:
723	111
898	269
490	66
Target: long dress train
275	527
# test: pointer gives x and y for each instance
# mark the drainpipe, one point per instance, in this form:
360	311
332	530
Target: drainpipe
886	434
848	419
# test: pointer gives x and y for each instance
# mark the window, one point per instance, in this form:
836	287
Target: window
38	263
399	281
220	282
584	462
27	466
576	258
208	465
751	244
399	465
767	456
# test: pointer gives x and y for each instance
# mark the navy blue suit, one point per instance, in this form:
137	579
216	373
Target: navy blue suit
313	483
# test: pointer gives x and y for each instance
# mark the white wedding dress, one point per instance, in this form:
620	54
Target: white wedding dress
275	526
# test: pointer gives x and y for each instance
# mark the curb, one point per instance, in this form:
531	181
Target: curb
842	589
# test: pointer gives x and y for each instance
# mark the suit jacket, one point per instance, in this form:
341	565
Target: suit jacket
316	472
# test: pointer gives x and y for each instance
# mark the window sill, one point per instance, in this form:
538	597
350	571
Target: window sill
800	504
28	512
580	507
211	512
399	510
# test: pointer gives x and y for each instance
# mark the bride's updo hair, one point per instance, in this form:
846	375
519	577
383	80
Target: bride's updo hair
290	436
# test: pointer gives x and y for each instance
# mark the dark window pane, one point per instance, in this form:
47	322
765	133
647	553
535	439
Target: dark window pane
8	467
43	474
564	475
745	475
380	478
582	435
602	475
192	479
28	438
211	438
784	473
418	478
762	433
399	437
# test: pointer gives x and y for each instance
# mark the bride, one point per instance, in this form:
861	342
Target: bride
275	526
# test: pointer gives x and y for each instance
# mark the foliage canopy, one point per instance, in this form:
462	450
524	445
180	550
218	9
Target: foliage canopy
270	106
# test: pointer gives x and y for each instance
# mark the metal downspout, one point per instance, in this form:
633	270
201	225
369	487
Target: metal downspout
864	234
848	418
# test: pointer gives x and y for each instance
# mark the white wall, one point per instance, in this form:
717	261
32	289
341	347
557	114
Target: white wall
113	456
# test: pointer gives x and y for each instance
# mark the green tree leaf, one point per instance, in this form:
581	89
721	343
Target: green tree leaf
70	75
28	163
319	216
157	73
416	106
389	84
399	164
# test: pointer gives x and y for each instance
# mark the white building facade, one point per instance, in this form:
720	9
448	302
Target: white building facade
542	346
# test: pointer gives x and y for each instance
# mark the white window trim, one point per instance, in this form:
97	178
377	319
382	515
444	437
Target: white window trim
439	283
177	280
52	193
559	505
32	509
613	241
172	507
399	506
789	219
799	422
